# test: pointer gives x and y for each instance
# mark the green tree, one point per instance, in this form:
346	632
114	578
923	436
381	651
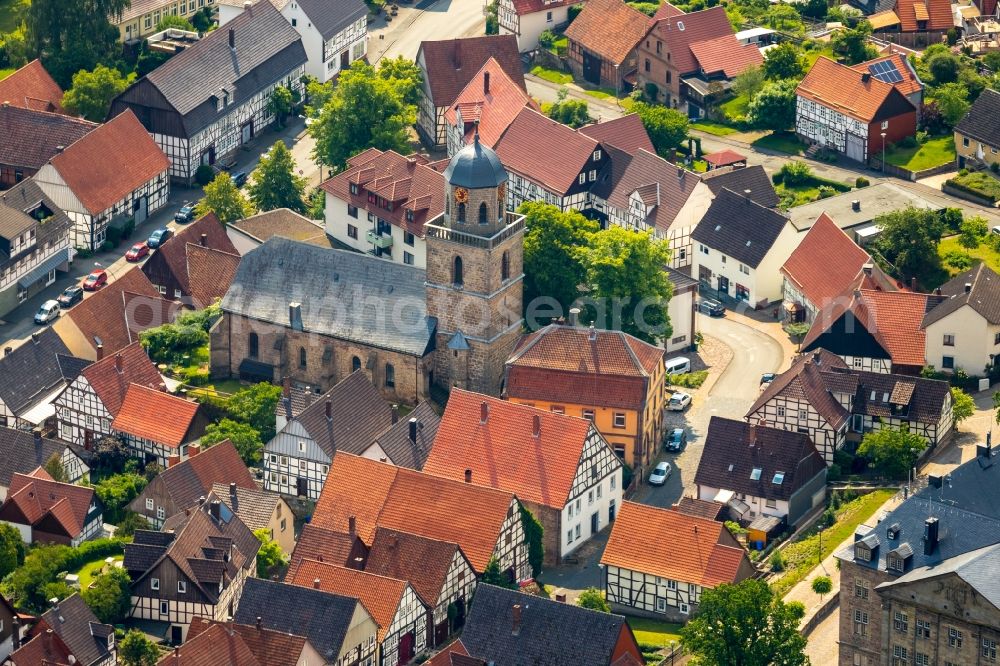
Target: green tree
137	650
992	60
405	76
893	452
784	61
149	60
816	9
11	549
972	231
553	254
109	453
202	19
174	21
822	585
773	107
493	576
625	273
943	67
909	242
783	17
110	596
244	438
746	625
130	523
71	35
364	111
851	44
952	99
572	112
492	20
92	92
117	491
224	199
55	468
667	128
270	555
962	405
750	81
15	46
593	599
317	95
280	105
275	184
255	406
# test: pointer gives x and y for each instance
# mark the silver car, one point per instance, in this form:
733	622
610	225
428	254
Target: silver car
660	474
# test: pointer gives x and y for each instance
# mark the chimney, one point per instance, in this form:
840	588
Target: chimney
173	460
913	284
934	480
968	287
937	292
286	386
865	77
868	268
260	623
204	240
59	149
484	412
930	535
118	363
856	205
215	508
982	451
295	316
194	449
592	334
352	525
38	447
7	350
395	414
232	39
680	173
233	499
248	7
536	425
468	476
316	583
100	352
816	357
486	83
329	409
201	500
413	431
746	196
516	620
287	402
34	338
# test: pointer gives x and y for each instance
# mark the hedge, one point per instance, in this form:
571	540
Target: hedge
951	182
816	181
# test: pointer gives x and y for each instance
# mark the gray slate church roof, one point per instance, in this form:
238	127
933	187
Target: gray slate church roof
475	166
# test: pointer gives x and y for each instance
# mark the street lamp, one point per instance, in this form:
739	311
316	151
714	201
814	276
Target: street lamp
883	152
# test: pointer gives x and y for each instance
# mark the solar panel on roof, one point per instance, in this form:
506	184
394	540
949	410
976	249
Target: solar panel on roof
885	71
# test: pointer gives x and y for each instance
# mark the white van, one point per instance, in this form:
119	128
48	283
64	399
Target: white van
679	365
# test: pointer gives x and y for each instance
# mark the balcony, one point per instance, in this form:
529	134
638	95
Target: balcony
378	240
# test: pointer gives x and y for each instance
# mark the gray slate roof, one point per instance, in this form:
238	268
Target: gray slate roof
344	294
332	16
983	297
20	453
35	369
396	443
80	629
752	178
981	122
739	227
552	633
978	568
15	204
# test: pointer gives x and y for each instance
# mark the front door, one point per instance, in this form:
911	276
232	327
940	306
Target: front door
302	486
246	132
611	512
175	635
459	614
594	522
345	60
140	209
855	147
406	648
88	439
723	285
591	68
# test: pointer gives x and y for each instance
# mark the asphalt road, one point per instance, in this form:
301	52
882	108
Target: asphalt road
444	19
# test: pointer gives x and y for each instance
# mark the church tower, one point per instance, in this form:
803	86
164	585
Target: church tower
474	273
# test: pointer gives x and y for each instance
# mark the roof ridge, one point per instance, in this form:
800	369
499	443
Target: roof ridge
631	352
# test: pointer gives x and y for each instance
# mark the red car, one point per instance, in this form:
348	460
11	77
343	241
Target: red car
97	279
137	252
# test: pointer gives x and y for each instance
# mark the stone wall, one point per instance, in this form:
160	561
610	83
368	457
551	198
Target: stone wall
551	521
867	647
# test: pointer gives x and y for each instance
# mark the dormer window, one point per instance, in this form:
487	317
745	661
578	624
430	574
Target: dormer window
779	477
409	215
354	188
862	552
895	563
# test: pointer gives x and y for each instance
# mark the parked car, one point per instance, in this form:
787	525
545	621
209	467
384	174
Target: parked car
711	308
70	296
678	366
678	401
767	378
158	238
996	229
97	279
239	178
677	439
185	214
660	474
137	252
46	313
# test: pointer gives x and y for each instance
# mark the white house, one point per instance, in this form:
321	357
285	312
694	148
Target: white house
334	32
114	174
963	329
739	247
527	19
681	310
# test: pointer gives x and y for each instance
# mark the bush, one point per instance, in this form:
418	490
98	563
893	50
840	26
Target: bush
794	173
963	172
777	561
825	192
833	472
113	236
547	39
651	91
204	175
861	181
908	142
958	260
995	167
573	12
829	517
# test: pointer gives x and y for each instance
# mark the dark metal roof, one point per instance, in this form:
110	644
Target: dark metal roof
980	123
752	178
33	370
983	295
20	453
475	166
739	227
358	414
332	16
396	442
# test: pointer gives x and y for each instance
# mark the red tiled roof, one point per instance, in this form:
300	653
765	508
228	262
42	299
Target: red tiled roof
842	89
406	181
316	543
110	162
31	138
724	158
45	649
450	63
424	563
609	28
494	111
270	647
204	272
522	7
725	54
545	151
910	83
111	384
504	453
804	380
937	14
826	263
215	646
627	134
667	10
699	26
37	495
381	596
675	546
31	87
445	656
155	415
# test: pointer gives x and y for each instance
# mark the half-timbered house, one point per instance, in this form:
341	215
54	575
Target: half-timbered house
21	452
86	408
260	510
486	523
346	419
47	511
568	475
682	556
91	642
113	175
401	614
211	98
157	427
196	566
31	376
32	138
602	41
339	627
487	105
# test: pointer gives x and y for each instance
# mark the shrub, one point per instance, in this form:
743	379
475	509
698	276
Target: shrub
651	91
995	167
861	181
113	236
825	192
963	172
829	517
547	39
794	173
908	142
777	561
204	175
922	137
833	472
573	12
958	260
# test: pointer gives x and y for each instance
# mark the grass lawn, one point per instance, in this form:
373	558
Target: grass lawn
797	195
626	103
813	55
561	44
983	253
713	128
980	182
654	632
551	75
599	94
783	142
937	151
91	569
801	556
736	107
229	386
4	73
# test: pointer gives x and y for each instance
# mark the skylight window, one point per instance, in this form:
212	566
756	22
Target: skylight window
755	474
778	478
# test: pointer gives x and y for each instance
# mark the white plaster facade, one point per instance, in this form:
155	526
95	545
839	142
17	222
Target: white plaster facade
680	310
827	127
595	496
756	285
359	229
966	338
527	27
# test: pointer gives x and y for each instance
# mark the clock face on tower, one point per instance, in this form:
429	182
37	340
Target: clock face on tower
461	195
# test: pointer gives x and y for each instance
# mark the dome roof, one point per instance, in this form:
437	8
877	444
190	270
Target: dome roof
475	166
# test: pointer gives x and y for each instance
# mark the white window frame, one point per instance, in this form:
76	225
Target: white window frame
154	583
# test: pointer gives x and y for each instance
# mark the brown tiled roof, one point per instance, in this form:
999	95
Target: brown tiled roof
826	264
110	162
670	191
698	27
37	495
752	178
724	157
693	506
214	646
522	7
627	133
155	415
449	64
676	546
381	595
316	543
983	295
544	150
31	138
454	654
937	14
253	506
421	561
416	190
209	273
561	364
73	621
609	28
45	649
842	89
285	223
884	19
111	384
494	111
910	83
725	54
31	87
503	452
804	380
380	495
269	647
922	400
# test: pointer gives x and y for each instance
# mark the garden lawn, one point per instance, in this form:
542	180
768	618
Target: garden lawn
783	142
599	94
715	129
5	72
90	570
801	556
654	632
552	75
229	386
935	152
983	253
980	182
736	107
813	55
798	195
